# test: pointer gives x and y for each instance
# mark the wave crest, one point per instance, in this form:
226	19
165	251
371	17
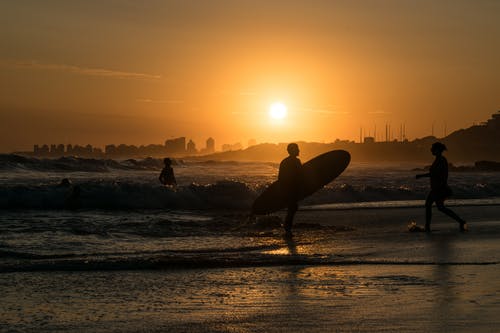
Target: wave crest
12	162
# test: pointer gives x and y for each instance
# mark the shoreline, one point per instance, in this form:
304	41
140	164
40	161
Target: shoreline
396	204
385	279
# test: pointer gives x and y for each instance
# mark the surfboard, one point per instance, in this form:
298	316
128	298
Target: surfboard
318	172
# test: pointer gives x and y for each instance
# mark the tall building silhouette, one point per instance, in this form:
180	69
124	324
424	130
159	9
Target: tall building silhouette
191	147
210	145
177	145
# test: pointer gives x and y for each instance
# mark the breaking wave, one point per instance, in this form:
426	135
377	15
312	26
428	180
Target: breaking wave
226	194
31	183
119	195
12	162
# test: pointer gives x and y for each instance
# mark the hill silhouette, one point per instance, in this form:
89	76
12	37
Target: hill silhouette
476	143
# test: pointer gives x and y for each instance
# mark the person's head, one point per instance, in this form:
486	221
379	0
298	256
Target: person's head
167	161
293	149
437	148
65	182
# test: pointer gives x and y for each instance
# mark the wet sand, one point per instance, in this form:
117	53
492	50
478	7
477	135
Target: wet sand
379	278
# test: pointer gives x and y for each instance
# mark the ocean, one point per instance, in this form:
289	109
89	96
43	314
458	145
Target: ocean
128	254
124	216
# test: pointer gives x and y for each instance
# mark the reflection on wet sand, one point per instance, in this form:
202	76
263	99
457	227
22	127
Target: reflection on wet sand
272	299
373	277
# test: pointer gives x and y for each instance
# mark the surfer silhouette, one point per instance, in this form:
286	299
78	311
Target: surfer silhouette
73	201
167	173
440	190
290	177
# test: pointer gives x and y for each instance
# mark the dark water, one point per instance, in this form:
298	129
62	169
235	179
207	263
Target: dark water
343	270
103	240
131	184
123	218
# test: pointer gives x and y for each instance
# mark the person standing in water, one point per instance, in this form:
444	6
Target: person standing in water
290	177
440	190
167	174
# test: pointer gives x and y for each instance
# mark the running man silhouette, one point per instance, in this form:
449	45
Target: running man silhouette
440	190
167	174
291	180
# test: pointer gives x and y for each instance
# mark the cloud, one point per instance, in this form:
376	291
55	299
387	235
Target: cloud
101	72
379	112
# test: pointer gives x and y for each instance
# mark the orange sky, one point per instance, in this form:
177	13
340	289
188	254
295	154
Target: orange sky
140	72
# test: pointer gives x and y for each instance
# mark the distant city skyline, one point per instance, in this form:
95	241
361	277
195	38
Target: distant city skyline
180	145
476	143
175	146
376	130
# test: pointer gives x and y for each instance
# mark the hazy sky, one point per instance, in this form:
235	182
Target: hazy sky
141	72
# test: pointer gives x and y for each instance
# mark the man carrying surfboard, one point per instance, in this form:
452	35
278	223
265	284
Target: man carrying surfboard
291	180
297	181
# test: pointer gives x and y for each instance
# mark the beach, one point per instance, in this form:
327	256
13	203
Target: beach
249	166
342	271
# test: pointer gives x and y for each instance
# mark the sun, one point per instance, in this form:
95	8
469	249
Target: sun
277	111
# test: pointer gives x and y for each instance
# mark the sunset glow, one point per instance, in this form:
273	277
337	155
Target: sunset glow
277	110
249	166
145	73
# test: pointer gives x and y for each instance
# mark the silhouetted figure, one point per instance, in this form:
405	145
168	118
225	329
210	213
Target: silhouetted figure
73	198
167	173
65	188
440	190
290	178
65	182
